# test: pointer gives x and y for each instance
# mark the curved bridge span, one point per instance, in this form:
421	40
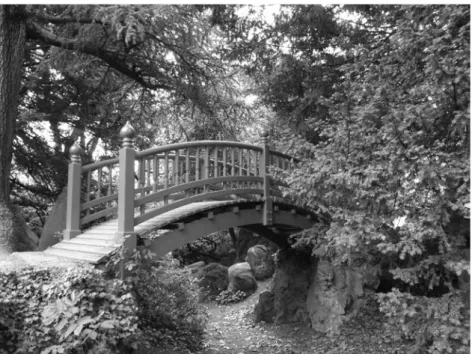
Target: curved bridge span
167	196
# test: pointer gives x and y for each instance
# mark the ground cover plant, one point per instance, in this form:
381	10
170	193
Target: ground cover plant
81	310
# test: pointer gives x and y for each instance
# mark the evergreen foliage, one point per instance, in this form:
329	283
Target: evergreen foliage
375	100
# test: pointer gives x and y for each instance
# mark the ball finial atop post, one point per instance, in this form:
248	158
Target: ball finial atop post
127	133
75	152
264	134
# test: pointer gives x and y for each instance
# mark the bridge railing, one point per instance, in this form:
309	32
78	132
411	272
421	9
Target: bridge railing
141	185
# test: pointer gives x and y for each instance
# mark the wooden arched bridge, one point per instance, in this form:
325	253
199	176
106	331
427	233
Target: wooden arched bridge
167	196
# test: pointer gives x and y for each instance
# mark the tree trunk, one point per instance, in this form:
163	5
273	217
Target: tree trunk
12	47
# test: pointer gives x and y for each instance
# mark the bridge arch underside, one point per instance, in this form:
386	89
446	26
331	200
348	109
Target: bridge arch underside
287	219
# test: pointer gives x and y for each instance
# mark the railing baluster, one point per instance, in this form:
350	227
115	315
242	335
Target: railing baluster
197	164
206	167
149	171
166	175
187	166
176	166
215	163
142	181
240	161
155	172
187	171
87	194
233	164
224	162
99	183
224	184
110	179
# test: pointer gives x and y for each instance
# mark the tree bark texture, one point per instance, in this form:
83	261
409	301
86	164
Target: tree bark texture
12	47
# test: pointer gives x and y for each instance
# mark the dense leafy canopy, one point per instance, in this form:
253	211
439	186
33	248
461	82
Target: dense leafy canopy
375	99
89	69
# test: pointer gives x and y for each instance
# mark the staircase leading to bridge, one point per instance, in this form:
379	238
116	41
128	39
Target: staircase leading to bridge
152	196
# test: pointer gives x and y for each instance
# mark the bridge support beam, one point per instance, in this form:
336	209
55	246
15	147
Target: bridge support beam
125	235
245	218
73	193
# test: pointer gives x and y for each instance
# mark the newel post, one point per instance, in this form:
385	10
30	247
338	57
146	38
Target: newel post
73	193
125	234
267	218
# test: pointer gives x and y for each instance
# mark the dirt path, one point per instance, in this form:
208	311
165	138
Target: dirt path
231	330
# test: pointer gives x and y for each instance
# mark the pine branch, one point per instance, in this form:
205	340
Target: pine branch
35	31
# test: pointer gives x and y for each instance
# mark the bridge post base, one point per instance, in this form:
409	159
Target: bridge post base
70	234
128	239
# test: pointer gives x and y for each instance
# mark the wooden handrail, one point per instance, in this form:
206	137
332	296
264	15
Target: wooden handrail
196	144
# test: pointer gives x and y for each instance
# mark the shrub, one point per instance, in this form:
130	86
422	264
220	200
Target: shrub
76	310
437	325
168	303
79	310
214	279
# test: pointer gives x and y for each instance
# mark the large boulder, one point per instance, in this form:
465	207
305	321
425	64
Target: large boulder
337	293
261	262
245	239
55	223
285	301
214	278
241	278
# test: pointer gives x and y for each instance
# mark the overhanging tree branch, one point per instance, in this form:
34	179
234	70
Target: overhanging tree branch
35	31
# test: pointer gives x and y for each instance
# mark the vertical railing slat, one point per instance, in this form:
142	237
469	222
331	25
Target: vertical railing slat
155	173
110	179
87	193
187	166
206	167
215	163
233	164
176	166
166	175
197	164
99	183
142	181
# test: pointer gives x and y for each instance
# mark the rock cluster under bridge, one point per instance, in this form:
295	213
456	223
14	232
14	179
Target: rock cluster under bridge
310	290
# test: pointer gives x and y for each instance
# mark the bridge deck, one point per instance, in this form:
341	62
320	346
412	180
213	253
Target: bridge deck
97	242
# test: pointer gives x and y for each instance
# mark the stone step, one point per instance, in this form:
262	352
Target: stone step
81	256
75	246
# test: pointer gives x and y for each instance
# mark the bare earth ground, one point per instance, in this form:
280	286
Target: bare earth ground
231	328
